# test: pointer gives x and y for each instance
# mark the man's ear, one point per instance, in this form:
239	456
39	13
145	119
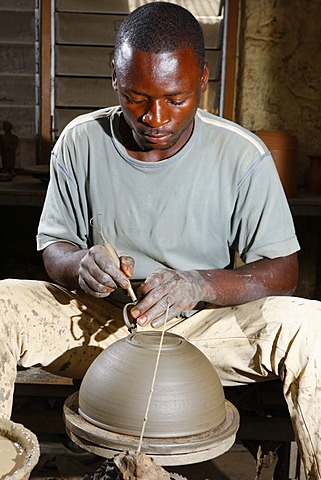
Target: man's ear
205	77
114	76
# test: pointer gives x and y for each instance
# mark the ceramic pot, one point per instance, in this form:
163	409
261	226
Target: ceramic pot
283	146
187	398
19	451
312	176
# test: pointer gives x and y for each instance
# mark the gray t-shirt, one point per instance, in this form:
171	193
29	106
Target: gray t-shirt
220	192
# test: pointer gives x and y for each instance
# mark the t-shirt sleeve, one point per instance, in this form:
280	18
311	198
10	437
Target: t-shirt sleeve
65	212
262	223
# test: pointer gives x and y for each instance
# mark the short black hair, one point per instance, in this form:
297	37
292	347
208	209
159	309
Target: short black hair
160	27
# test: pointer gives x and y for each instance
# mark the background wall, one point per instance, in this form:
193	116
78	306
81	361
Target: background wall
279	77
279	87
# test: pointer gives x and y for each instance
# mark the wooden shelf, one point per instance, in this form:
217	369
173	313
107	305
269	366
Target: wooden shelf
306	204
23	190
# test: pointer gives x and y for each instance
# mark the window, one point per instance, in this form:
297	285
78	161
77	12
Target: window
56	56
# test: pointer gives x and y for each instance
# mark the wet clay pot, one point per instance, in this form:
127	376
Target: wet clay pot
19	451
187	397
283	147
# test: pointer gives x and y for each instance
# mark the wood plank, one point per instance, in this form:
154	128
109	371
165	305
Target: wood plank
17	27
17	59
100	29
21	117
17	90
211	33
201	9
39	376
87	29
84	92
17	5
83	60
27	150
95	61
97	6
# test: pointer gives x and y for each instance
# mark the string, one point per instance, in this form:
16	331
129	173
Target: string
153	381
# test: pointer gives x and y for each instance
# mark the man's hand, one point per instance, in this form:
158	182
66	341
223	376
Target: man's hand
180	291
94	270
99	275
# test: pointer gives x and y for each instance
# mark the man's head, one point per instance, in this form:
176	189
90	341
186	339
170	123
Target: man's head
160	27
159	75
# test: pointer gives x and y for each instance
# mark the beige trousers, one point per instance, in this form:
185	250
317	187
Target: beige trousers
44	324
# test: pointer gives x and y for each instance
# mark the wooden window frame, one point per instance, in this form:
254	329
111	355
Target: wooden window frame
45	82
230	67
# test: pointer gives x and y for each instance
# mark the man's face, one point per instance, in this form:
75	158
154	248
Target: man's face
159	94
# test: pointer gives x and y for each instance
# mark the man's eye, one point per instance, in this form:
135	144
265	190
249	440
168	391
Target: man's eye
135	100
176	102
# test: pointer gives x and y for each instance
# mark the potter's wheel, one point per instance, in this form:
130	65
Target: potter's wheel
188	421
165	451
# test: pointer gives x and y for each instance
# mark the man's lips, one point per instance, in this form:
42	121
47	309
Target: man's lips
156	137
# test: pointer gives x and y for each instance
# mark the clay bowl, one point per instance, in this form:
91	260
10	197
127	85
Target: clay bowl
19	451
187	398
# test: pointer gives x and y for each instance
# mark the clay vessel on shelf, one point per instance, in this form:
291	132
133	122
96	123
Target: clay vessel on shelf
312	176
187	398
283	146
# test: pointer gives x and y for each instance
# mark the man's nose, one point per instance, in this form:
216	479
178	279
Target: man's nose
156	114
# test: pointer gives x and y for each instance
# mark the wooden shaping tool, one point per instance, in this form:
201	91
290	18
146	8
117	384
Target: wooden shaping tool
115	258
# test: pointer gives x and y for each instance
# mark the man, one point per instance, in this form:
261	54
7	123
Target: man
174	190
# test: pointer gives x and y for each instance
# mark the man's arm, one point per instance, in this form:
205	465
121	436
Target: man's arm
95	272
259	279
93	269
181	291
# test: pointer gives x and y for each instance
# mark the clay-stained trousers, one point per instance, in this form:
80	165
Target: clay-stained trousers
44	324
